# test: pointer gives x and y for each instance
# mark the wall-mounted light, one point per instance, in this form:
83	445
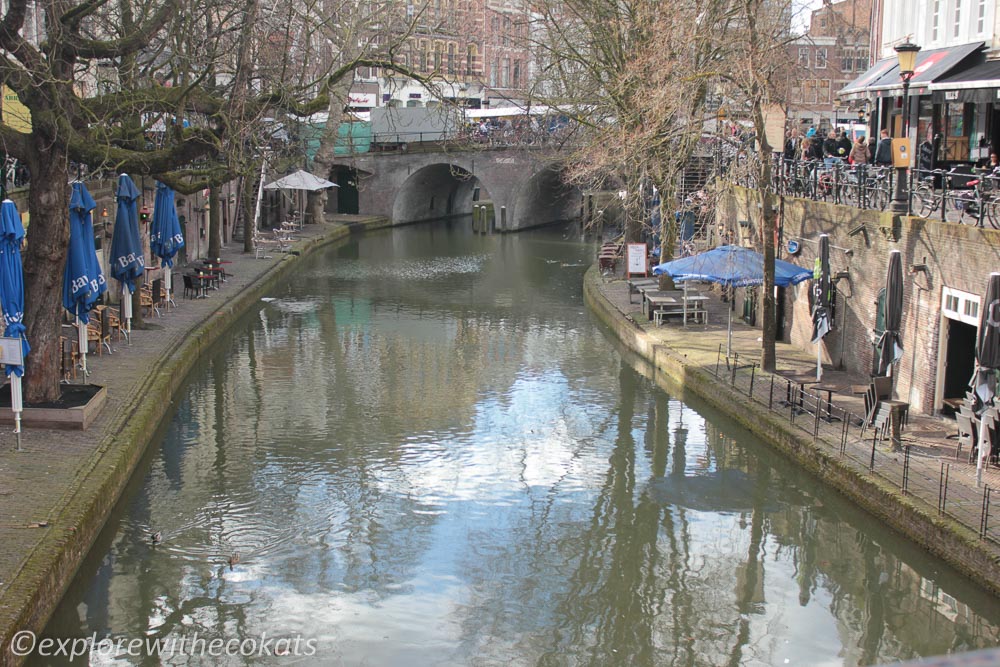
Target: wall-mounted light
861	229
919	268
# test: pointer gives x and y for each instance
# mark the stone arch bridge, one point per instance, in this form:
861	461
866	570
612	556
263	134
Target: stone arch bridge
417	186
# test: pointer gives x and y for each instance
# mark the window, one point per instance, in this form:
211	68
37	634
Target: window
809	91
821	58
424	62
823	91
958	19
981	17
470	59
493	72
803	56
516	82
861	60
438	56
847	60
505	73
452	60
936	21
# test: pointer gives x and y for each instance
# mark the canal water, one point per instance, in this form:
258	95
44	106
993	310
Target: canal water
423	450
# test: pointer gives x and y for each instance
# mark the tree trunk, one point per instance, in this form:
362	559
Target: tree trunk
769	325
214	223
315	205
44	257
248	201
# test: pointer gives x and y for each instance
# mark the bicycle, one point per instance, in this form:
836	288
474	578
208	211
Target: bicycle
929	199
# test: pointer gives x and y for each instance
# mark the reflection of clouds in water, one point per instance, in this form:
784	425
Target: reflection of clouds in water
295	306
405	269
419	625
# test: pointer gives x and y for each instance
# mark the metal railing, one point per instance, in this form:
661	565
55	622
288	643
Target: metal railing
862	446
953	195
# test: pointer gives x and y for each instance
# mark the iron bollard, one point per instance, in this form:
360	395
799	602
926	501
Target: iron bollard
985	520
906	469
943	486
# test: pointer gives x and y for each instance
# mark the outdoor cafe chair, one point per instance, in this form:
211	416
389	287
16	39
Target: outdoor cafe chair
70	357
966	434
156	296
190	290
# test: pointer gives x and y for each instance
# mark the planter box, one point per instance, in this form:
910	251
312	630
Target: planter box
81	405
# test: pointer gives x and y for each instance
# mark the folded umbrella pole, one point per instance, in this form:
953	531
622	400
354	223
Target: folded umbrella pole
165	235
12	300
126	258
83	281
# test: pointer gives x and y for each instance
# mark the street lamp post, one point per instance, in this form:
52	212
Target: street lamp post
907	56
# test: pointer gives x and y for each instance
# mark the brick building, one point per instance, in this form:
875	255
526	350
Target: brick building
475	50
830	55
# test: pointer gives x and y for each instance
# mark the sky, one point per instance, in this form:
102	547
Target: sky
801	12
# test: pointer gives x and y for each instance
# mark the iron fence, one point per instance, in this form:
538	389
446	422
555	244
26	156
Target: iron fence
862	447
954	195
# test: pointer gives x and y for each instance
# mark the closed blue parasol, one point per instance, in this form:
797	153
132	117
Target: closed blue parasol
12	298
732	266
126	260
165	236
83	280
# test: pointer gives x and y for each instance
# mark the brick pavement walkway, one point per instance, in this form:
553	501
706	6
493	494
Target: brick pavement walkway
37	484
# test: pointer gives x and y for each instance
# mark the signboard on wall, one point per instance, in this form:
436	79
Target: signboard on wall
636	260
15	115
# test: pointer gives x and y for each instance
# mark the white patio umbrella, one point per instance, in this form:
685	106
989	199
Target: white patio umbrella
301	181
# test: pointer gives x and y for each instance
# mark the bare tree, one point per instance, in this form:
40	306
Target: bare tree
180	64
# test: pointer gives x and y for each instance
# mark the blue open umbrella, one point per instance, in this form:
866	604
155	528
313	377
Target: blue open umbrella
165	236
126	260
83	280
12	299
732	266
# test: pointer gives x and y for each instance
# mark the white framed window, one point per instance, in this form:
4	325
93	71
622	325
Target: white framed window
823	91
820	58
981	17
957	23
804	56
959	305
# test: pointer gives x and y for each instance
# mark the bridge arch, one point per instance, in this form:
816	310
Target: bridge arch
544	198
436	191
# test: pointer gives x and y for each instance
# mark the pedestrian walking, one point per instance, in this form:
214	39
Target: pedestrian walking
883	154
859	153
831	149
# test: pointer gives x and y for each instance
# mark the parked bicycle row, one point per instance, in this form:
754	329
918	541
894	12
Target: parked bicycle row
960	195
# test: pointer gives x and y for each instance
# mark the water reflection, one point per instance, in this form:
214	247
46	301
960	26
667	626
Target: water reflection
425	452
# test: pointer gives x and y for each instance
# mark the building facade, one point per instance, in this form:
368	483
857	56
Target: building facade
826	59
475	51
954	96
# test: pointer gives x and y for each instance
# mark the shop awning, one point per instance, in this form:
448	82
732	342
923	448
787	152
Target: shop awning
858	89
883	79
979	84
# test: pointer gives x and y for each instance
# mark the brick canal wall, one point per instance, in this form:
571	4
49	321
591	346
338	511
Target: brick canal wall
956	256
938	534
38	586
